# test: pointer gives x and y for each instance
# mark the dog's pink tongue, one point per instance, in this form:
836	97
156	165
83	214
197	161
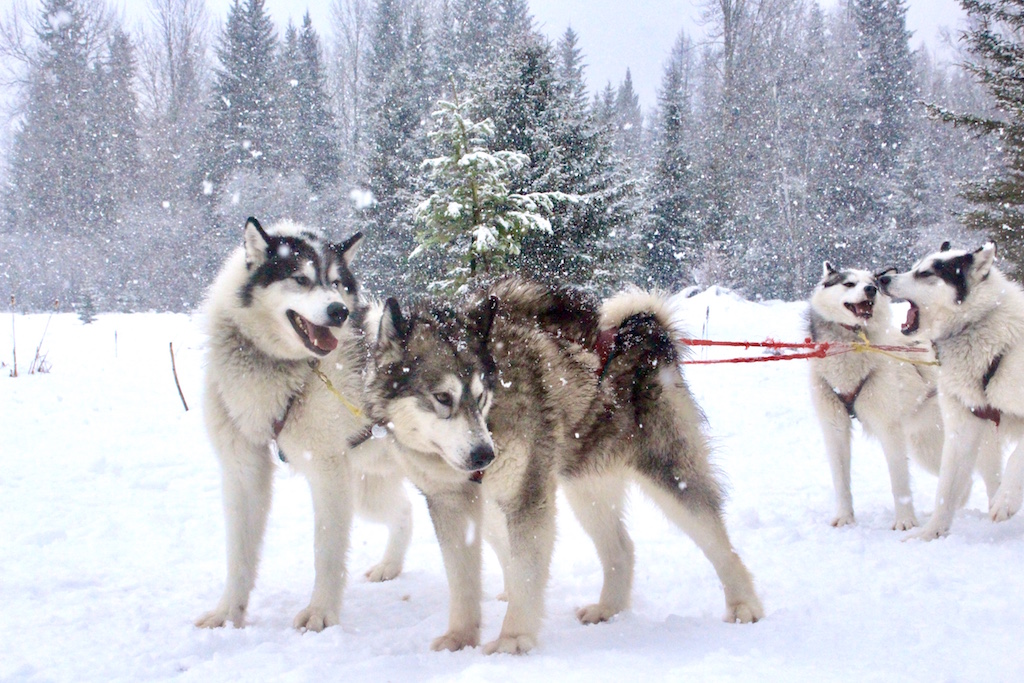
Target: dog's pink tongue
322	337
911	322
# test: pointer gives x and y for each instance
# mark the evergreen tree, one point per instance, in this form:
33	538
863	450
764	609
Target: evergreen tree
672	244
115	134
881	117
996	47
399	94
244	106
50	167
629	121
888	74
478	41
471	213
514	19
312	137
536	98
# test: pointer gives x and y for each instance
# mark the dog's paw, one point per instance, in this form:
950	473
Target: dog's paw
743	612
1003	506
219	617
927	533
595	614
511	645
385	571
453	641
843	519
904	523
314	619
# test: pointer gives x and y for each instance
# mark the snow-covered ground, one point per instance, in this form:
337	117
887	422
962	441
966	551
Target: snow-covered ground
112	542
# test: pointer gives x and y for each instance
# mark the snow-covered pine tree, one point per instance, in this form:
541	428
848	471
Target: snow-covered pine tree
115	134
514	18
244	130
51	240
593	239
398	96
669	240
885	232
995	43
471	212
50	162
311	135
536	102
629	122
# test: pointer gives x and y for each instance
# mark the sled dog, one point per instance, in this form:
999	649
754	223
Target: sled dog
497	402
974	316
894	402
284	308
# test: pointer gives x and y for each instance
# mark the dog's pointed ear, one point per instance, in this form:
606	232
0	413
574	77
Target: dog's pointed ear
984	256
946	246
484	318
827	269
347	249
257	243
394	329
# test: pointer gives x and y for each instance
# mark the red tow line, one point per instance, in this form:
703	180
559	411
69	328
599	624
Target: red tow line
813	350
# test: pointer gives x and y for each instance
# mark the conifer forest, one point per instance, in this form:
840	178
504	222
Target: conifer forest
463	142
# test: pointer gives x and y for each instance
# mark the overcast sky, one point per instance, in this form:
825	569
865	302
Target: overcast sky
614	34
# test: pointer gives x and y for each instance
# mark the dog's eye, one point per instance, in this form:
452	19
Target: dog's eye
925	273
444	398
302	281
849	284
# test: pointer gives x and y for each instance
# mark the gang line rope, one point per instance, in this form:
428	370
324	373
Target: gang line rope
810	349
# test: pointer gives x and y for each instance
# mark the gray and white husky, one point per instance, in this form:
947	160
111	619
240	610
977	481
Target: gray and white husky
974	316
497	402
285	307
894	402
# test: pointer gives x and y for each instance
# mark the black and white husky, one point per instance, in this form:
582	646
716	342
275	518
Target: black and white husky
496	403
896	402
285	366
974	316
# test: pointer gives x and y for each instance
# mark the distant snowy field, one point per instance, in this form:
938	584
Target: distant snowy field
112	542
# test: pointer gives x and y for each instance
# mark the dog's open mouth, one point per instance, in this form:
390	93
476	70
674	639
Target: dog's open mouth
862	309
913	320
317	338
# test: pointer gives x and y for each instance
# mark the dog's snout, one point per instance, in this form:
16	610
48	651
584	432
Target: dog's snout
481	456
871	291
337	314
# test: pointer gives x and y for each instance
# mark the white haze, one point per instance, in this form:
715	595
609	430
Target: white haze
613	35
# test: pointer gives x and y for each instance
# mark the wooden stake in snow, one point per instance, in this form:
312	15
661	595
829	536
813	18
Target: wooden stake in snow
176	382
14	345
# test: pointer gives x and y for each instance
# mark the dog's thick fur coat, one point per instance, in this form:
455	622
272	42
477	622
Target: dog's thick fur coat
283	304
511	385
974	316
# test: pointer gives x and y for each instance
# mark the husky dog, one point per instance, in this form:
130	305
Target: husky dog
895	402
496	403
284	308
974	316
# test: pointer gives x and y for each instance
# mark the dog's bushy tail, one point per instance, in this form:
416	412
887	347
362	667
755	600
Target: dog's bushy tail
643	371
644	320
